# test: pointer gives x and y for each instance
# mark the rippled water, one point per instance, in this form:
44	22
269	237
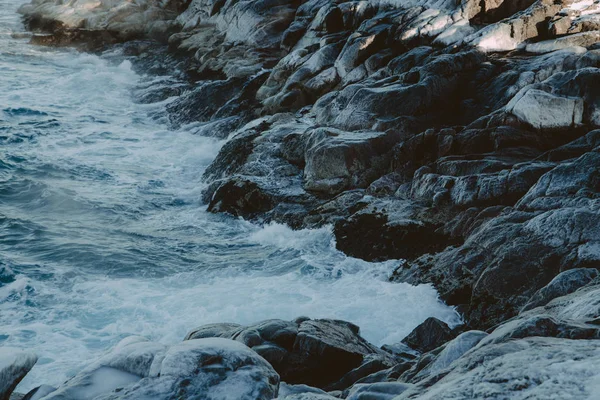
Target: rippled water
102	234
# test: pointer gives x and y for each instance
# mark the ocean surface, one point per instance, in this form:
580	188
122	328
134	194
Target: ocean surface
103	234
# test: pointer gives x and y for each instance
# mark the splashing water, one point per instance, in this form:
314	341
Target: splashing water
102	234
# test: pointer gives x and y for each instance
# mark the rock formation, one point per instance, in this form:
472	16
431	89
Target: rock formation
14	365
460	136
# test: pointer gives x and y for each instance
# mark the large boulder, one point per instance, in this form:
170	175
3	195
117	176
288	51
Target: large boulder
126	364
320	353
538	354
110	20
429	335
389	230
563	284
535	367
337	160
197	369
544	110
14	365
240	197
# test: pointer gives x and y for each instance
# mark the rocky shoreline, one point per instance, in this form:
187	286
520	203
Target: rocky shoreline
459	136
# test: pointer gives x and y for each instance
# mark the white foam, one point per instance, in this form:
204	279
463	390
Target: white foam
282	236
99	311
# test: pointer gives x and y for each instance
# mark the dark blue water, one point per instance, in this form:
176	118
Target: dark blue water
102	234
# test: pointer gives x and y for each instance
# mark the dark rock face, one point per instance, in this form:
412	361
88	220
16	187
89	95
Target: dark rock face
39	392
323	353
549	230
14	365
240	198
431	334
565	283
389	230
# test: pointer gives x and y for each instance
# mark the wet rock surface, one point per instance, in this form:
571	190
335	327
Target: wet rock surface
429	335
14	365
139	369
535	355
323	353
461	137
541	352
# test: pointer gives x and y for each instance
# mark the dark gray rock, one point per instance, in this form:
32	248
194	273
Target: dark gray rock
429	335
401	350
371	364
240	197
373	237
337	160
387	375
325	350
204	101
14	365
320	353
39	392
564	283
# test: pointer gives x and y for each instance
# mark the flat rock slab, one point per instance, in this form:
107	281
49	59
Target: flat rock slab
544	110
584	39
